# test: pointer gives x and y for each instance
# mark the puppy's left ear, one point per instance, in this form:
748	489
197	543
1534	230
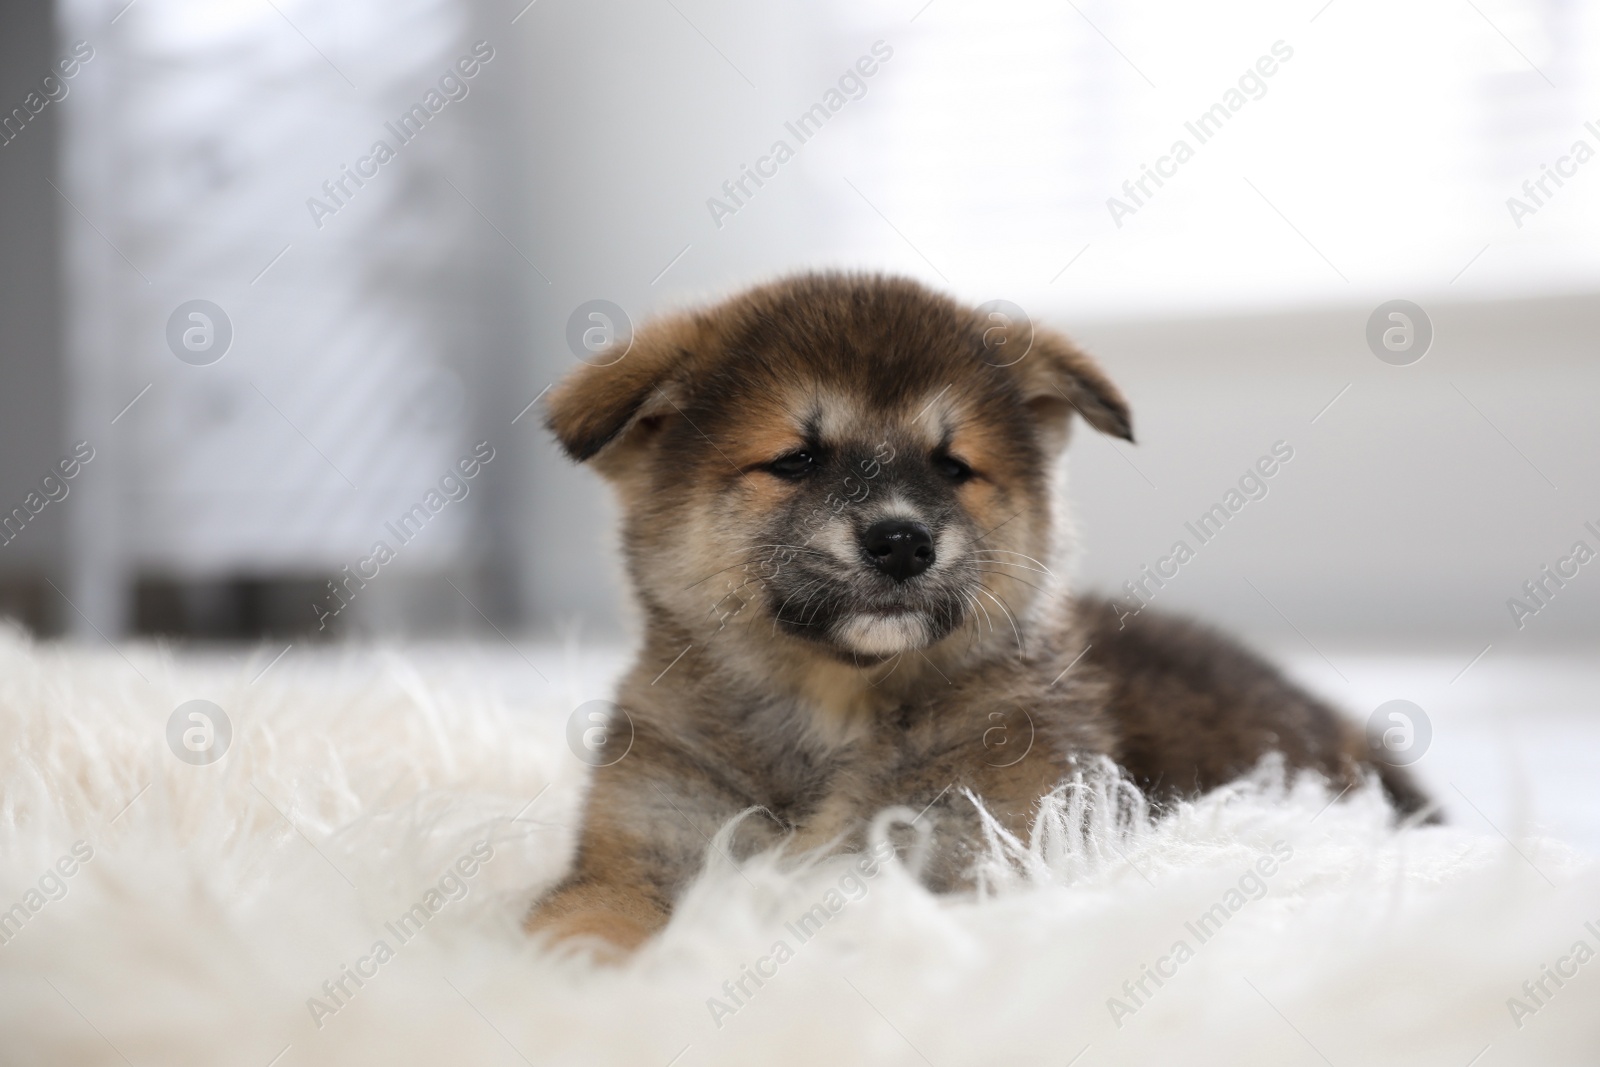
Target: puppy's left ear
1059	381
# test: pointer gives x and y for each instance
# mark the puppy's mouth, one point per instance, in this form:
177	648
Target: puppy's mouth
883	634
860	624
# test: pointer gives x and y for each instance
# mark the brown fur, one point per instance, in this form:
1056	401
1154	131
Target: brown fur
814	687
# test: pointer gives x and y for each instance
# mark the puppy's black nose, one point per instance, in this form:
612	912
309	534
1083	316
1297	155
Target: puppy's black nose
901	549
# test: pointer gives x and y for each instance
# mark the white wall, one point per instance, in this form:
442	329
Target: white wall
1415	506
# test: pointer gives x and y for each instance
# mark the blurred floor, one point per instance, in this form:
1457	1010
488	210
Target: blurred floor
1514	735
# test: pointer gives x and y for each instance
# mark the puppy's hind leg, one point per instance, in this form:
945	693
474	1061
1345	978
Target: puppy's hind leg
1406	796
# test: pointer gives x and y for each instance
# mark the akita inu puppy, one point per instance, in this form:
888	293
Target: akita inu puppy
842	529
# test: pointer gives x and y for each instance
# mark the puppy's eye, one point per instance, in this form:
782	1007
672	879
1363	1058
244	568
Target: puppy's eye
951	467
794	465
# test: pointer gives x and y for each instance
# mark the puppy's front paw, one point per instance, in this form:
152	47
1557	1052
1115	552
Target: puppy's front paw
609	935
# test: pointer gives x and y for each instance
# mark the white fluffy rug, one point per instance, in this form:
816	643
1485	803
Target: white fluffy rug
217	901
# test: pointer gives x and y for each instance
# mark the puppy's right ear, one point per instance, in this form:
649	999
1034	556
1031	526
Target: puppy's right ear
598	407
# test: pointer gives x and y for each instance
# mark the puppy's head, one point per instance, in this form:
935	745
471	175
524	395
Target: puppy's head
855	464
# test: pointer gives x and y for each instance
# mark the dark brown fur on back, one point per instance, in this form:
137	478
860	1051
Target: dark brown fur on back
777	458
1194	710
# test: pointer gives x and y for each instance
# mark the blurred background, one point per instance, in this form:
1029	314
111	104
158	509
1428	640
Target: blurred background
262	344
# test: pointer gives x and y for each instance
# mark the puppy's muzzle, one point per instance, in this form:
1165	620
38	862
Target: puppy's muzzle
900	548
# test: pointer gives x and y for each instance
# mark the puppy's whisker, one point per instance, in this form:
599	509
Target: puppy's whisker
964	623
776	550
982	552
983	611
733	566
713	574
1012	566
976	630
758	559
1001	605
811	588
1014	578
805	620
1014	552
894	665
